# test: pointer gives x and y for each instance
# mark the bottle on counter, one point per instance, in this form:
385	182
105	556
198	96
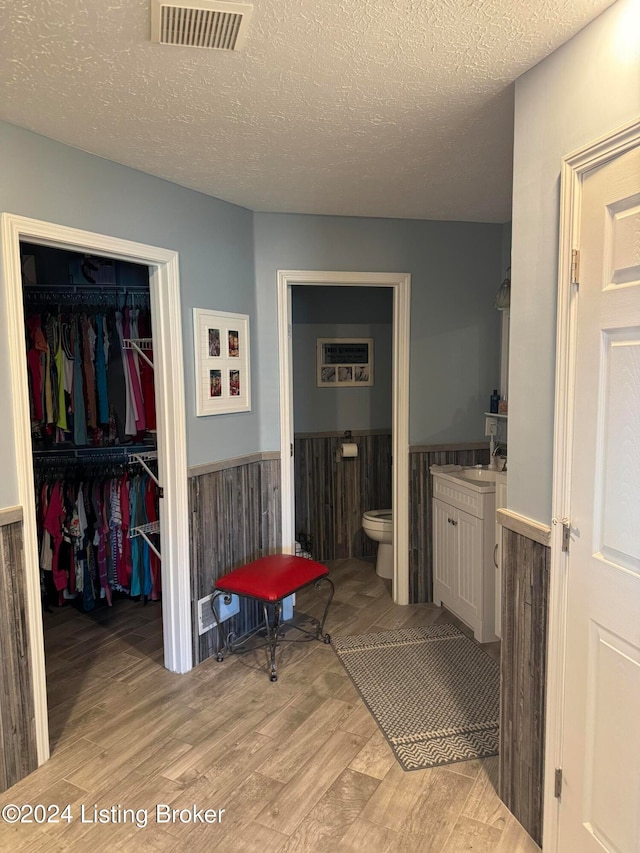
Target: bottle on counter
494	402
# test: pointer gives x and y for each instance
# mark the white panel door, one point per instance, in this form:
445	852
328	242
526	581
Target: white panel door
600	802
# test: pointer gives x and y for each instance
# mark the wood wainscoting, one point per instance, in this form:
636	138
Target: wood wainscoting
331	493
18	751
234	512
525	597
421	458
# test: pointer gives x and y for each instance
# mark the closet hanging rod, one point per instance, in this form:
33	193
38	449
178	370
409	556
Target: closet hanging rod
137	343
110	300
80	288
93	454
67	461
143	455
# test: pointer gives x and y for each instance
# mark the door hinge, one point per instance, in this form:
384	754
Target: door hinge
291	448
566	532
557	785
575	266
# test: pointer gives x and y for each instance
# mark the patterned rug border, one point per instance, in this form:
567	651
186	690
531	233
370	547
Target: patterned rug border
475	741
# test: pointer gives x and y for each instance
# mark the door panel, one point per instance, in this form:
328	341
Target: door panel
600	803
614	671
622	249
442	553
470	568
618	480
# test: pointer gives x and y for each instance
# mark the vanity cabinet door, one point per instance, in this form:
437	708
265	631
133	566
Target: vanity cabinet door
462	572
444	554
468	567
457	561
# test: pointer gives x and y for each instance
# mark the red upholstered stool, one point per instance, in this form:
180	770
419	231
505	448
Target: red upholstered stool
270	580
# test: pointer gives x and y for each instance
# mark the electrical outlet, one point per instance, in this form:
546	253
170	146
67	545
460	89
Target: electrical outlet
490	426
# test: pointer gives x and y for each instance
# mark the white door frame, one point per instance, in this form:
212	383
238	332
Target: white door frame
574	167
170	414
401	284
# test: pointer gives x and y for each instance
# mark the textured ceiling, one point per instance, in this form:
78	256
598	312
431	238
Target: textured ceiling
394	108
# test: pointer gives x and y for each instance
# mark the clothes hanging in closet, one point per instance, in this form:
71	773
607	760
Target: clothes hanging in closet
83	534
84	387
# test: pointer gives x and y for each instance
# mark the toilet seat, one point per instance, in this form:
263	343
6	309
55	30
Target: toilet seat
378	515
378	519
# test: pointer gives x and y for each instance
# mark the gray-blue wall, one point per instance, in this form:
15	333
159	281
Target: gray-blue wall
584	90
455	267
331	409
42	179
456	271
341	312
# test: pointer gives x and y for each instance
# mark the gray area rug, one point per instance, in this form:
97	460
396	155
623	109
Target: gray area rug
434	692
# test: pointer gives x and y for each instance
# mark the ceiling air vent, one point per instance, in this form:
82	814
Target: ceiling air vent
200	23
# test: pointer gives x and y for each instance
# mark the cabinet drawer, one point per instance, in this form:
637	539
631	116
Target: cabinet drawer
465	499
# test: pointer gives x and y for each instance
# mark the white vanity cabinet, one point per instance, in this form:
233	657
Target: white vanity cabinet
464	513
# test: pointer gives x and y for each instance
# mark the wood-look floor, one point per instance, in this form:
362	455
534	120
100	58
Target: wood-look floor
298	765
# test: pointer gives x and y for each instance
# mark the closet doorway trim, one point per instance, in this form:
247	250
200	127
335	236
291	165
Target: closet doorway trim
401	285
164	284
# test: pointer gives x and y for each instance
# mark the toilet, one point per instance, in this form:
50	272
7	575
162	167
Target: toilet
378	525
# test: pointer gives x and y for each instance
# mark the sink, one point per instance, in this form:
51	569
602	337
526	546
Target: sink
477	475
481	478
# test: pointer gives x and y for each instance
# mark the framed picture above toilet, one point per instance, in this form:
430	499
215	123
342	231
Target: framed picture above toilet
344	362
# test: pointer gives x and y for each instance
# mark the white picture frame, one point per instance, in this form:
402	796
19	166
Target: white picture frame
222	362
344	362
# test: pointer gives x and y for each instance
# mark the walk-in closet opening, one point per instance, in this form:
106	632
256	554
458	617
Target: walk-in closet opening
89	358
21	239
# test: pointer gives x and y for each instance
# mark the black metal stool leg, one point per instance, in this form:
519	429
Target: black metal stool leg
327	637
222	643
272	628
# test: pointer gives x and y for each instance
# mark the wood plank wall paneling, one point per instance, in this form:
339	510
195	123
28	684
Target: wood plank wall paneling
234	519
421	511
332	493
525	597
18	754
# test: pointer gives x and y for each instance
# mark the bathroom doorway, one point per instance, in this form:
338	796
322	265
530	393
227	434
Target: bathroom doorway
399	284
342	419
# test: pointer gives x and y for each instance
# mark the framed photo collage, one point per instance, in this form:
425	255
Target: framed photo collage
222	363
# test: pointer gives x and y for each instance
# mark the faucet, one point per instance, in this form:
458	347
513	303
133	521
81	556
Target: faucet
495	451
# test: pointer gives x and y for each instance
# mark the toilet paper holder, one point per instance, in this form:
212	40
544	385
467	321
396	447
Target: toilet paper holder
348	448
